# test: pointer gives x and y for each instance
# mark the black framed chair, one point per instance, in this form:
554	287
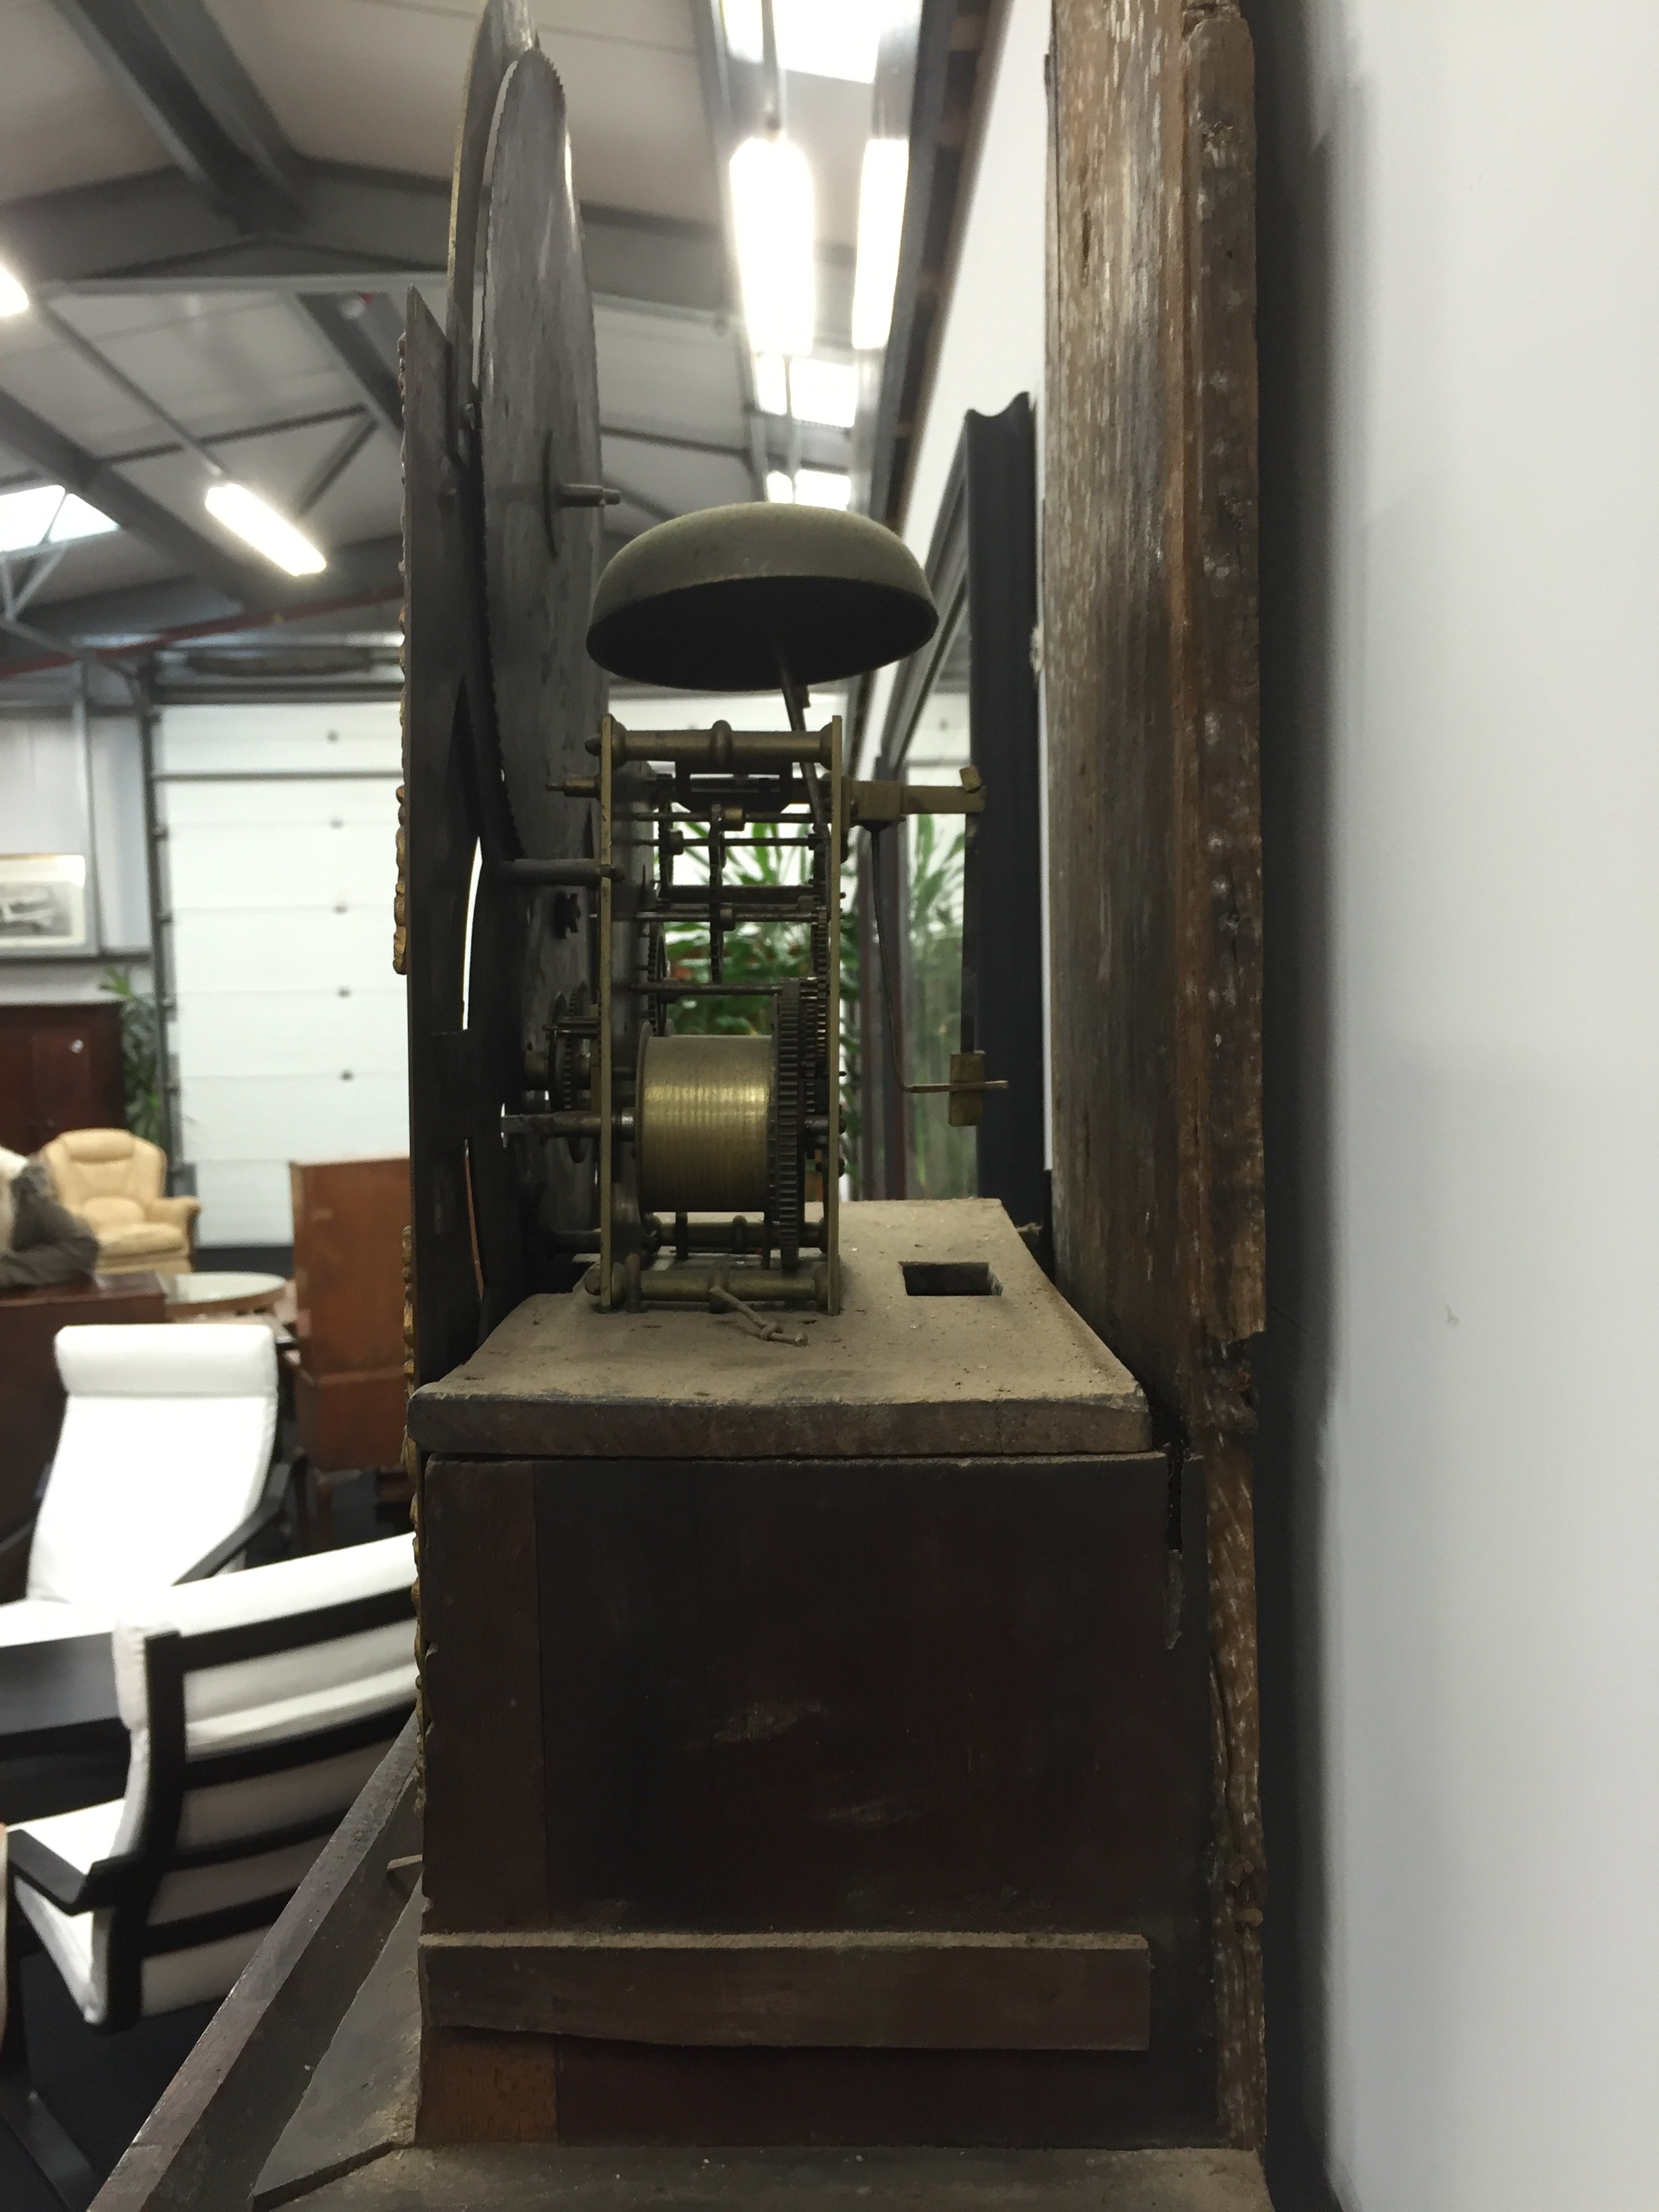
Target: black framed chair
259	1704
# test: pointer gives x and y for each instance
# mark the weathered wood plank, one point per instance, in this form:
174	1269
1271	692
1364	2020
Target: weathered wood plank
360	2102
931	1694
503	2179
1150	652
1221	974
866	1693
437	836
1017	1372
877	1988
1114	431
1239	1864
206	2140
486	1817
477	2087
1220	855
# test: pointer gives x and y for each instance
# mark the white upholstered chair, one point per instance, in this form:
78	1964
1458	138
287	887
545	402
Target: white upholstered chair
163	1470
258	1705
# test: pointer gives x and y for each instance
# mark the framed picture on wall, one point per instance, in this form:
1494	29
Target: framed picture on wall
43	903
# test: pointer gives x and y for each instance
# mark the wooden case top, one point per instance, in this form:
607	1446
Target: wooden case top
1014	1372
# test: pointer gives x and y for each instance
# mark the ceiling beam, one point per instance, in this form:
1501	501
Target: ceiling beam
339	321
128	616
643	501
657	260
171	61
333	465
821	445
174	65
319	418
356	230
678	441
61	461
147	616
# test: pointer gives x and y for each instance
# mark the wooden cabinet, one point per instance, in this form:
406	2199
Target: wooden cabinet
60	1068
817	1732
350	1217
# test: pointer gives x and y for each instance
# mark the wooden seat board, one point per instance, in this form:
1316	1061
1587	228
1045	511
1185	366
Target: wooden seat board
497	2176
1015	1372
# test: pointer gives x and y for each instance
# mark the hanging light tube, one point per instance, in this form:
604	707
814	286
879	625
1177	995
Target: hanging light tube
882	182
772	208
258	523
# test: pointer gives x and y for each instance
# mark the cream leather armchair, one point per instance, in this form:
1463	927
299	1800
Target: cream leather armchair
114	1181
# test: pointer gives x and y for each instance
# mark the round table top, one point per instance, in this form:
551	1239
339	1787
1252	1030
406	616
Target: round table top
225	1290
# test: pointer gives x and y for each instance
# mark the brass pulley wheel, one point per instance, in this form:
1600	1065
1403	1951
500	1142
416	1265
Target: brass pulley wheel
702	1118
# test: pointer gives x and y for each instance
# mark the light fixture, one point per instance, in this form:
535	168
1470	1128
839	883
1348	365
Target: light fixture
780	487
26	516
881	221
825	391
742	20
842	40
45	514
13	298
771	384
823	487
772	206
258	525
75	519
814	38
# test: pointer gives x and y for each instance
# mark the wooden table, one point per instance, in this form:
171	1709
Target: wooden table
221	1293
63	1742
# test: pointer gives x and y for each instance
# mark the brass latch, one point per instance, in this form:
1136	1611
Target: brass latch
876	806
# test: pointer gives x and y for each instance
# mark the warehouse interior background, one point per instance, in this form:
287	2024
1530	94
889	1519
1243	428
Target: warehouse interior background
211	214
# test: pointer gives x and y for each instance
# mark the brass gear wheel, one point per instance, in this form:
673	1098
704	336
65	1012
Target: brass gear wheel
792	1042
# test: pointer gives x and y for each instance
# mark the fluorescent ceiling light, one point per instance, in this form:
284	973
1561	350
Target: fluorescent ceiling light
771	384
258	525
76	521
772	202
26	516
816	37
744	39
823	487
780	487
14	299
825	391
840	40
881	220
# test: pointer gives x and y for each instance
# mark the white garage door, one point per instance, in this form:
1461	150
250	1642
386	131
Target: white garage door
281	825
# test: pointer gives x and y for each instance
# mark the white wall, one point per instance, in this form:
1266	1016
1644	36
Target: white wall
70	788
290	1034
1460	1478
